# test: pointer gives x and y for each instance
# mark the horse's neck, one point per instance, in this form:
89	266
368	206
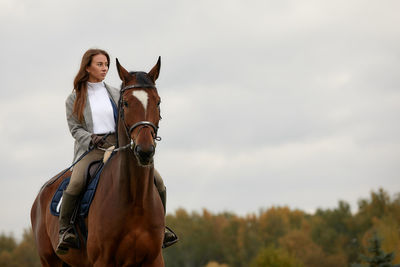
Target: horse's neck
135	182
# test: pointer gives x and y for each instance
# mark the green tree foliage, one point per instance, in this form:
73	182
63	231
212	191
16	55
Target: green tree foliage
7	243
224	238
275	257
333	230
377	257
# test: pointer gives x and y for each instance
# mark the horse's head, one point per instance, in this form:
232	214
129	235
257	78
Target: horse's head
139	109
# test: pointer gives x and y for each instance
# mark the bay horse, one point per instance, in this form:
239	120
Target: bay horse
126	218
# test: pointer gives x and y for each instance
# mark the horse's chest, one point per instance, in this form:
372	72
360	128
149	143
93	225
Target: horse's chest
136	246
126	241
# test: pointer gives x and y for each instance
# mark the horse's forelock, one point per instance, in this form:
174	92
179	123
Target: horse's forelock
142	78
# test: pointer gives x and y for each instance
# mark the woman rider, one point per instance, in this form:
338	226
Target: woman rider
90	115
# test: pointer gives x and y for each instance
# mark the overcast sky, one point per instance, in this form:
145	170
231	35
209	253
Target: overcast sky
263	102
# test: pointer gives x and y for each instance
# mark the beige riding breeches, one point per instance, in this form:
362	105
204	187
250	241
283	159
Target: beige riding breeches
78	177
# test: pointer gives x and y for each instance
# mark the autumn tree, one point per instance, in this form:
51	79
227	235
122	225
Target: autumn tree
300	244
18	255
215	264
203	238
275	223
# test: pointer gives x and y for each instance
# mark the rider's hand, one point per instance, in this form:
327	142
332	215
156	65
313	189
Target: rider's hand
97	140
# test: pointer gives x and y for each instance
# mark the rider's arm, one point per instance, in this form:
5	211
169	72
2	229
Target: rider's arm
77	128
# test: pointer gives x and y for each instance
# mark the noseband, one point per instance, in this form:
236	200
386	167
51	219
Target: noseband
141	124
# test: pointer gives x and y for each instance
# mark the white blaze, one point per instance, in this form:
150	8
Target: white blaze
143	97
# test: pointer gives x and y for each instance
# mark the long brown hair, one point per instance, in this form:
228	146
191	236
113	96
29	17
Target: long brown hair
80	81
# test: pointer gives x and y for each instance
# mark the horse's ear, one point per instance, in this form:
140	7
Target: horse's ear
122	72
155	71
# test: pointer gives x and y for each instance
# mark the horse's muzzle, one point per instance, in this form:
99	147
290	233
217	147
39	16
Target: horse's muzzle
145	156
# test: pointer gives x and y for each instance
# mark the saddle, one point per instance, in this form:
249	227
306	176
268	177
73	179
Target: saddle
92	178
82	209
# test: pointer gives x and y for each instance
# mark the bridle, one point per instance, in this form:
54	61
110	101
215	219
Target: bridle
141	124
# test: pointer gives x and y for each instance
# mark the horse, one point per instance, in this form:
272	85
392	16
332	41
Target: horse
126	219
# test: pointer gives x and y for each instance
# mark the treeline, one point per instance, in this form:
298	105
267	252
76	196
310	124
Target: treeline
277	236
280	236
22	254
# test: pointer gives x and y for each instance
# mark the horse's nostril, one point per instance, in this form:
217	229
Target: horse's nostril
137	150
152	149
144	154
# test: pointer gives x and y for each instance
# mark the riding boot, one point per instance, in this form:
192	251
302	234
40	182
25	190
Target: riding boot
67	236
170	237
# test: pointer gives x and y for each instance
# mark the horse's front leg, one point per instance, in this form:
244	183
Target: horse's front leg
102	260
157	262
100	263
51	262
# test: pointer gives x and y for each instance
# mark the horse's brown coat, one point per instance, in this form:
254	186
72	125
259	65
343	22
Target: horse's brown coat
126	218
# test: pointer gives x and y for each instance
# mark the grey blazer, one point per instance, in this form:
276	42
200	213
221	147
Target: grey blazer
82	131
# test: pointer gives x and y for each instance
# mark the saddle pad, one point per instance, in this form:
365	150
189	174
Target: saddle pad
86	198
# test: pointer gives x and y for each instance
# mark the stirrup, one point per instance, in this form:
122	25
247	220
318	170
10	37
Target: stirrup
66	242
172	241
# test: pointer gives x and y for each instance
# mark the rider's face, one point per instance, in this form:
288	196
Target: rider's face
98	68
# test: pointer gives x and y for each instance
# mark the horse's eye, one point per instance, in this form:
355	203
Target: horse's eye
125	103
159	109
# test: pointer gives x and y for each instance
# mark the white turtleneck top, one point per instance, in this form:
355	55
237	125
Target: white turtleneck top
102	111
